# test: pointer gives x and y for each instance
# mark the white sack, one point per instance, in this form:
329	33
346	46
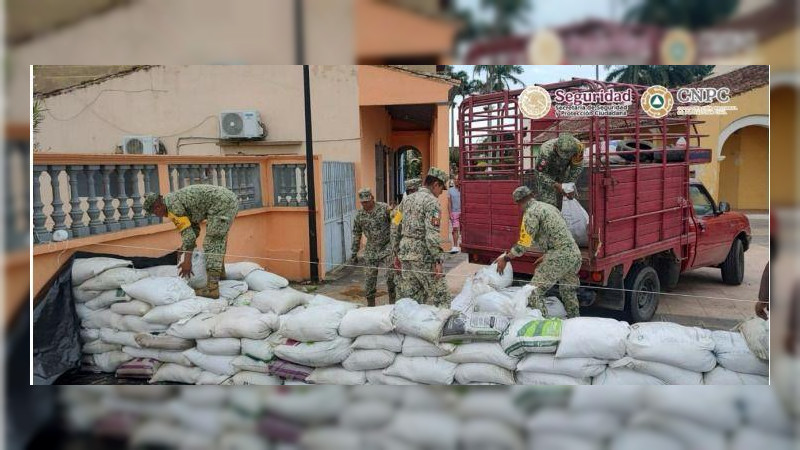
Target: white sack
85	268
259	280
762	409
246	378
527	334
392	342
199	277
99	346
244	322
319	323
324	300
162	271
664	372
200	326
220	365
747	438
377	377
694	403
131	308
239	270
481	434
367	415
163	341
483	373
102	318
721	375
422	429
118	337
426	370
114	278
230	289
89	334
243	440
490	276
625	376
279	301
220	346
414	346
732	353
139	325
370	320
621	400
643	438
109	362
412	319
316	354
573	367
337	375
477	326
482	352
593	425
167	356
690	348
184	309
257	349
207	378
554	308
82	295
176	373
463	301
593	337
756	334
107	299
549	379
368	360
159	291
577	220
245	299
249	364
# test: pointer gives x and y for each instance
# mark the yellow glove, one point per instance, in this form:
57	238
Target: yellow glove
181	223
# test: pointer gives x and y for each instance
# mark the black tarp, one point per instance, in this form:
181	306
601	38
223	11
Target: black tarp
56	344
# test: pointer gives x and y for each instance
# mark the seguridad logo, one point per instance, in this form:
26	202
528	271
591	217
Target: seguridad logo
534	102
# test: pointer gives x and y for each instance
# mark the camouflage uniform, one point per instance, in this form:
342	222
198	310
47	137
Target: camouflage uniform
416	242
560	160
191	205
543	225
374	225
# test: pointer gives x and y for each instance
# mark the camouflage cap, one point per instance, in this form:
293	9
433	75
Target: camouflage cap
439	174
149	201
365	194
520	193
567	145
413	183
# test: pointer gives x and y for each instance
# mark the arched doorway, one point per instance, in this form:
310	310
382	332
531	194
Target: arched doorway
744	167
408	163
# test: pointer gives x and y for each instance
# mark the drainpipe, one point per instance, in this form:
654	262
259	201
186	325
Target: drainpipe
312	188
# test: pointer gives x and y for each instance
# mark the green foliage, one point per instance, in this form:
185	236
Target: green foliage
498	77
667	76
37	116
690	14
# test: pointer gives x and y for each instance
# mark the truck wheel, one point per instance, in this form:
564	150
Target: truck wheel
642	292
733	266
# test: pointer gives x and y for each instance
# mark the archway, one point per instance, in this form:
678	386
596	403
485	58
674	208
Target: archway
408	163
744	166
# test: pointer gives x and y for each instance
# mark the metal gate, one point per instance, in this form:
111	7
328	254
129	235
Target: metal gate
339	196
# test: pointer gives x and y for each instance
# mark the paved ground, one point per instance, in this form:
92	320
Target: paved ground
701	298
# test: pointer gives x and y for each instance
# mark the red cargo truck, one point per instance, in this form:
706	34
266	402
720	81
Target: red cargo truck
649	221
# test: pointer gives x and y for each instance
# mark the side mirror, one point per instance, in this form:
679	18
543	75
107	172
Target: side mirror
724	207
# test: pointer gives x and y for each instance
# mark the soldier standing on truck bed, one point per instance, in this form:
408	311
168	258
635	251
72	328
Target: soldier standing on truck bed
372	220
186	208
542	224
560	161
417	245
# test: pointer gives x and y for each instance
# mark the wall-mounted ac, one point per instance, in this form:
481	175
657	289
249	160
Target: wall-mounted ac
241	125
140	145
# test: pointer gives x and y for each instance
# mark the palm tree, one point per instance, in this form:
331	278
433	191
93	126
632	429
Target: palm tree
465	88
498	77
691	14
507	13
667	76
37	117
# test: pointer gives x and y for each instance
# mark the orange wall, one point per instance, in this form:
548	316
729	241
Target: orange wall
783	156
385	86
376	125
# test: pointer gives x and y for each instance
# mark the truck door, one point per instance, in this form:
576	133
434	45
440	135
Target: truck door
712	237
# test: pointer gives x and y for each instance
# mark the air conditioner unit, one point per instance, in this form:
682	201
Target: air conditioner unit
241	125
140	145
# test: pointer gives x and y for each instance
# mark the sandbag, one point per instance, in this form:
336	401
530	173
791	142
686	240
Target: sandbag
86	268
220	365
319	323
230	289
368	360
131	308
424	429
114	278
315	354
528	334
426	370
747	438
573	367
370	320
289	371
577	220
199	277
207	378
621	400
483	373
667	373
200	326
482	352
412	319
159	291
324	300
139	325
184	309
162	271
239	270
594	425
279	301
259	280
721	375
762	409
644	438
220	346
477	326
463	302
245	299
82	295
109	362
490	276
257	349
593	337
734	354
106	299
163	341
249	364
244	322
626	376
246	378
480	434
690	348
89	334
377	377
99	346
554	308
414	346
167	356
337	375
102	318
694	403
392	342
118	337
549	379
756	334
367	415
242	441
138	368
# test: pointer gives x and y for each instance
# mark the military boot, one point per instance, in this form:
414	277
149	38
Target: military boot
371	301
211	290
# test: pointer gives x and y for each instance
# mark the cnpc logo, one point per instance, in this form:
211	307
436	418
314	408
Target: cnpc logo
704	95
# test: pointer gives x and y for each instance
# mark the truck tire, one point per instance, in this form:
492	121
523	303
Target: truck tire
642	292
733	266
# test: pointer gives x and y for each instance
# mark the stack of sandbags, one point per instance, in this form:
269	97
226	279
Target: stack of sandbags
96	287
490	419
370	327
255	276
736	363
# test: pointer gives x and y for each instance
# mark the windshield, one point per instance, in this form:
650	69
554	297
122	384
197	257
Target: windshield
703	206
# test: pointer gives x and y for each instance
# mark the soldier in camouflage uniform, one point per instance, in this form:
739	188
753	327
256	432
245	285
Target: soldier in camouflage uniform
373	222
543	224
186	208
560	161
417	245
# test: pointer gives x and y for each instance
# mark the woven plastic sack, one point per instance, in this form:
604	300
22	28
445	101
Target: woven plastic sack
239	270
482	352
159	291
337	375
131	308
412	319
369	320
259	280
690	348
107	298
220	365
549	379
163	341
593	337
315	354
470	373
667	373
279	301
756	334
573	367
426	370
527	334
86	268
244	322
392	342
184	309
733	353
477	326
414	346
220	346
368	360
114	278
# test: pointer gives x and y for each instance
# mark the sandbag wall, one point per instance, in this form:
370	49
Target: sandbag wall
363	417
147	323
